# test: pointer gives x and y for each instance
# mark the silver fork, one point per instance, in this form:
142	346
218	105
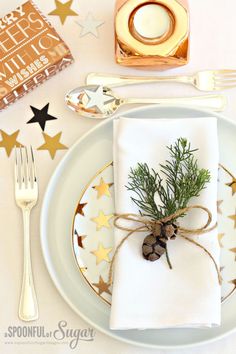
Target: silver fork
208	80
26	195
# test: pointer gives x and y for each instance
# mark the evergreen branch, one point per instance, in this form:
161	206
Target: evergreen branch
183	180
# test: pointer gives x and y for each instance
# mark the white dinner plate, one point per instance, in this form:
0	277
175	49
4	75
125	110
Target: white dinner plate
71	176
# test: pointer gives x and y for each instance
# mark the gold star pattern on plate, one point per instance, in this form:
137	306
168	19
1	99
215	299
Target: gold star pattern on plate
103	188
52	144
102	286
102	220
219	202
220	236
9	141
63	10
80	207
101	254
234	251
233	282
233	217
232	184
80	239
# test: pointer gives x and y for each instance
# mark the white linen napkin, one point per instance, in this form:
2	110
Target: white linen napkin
148	294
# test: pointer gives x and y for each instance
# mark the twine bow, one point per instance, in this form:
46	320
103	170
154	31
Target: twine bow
150	224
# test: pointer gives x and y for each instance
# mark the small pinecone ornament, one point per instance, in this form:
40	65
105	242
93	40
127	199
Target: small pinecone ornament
154	245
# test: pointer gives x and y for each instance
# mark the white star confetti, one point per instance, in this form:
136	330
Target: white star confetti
97	98
89	25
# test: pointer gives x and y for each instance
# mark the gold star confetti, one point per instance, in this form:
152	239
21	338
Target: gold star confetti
80	207
220	236
80	239
103	188
101	254
234	251
8	142
232	184
233	217
102	220
102	286
219	202
63	10
52	144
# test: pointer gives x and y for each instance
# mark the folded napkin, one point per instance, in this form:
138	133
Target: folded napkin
148	294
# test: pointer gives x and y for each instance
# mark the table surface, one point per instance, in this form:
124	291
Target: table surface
213	46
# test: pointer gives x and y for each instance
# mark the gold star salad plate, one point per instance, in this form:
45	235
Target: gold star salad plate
94	255
77	230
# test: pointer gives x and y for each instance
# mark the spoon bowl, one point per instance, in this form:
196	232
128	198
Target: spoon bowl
78	100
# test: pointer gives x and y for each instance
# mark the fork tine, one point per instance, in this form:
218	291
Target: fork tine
26	166
33	169
224	72
22	168
17	177
225	77
224	87
225	83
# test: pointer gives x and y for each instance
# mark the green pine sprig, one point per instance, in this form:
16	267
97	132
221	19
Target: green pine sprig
183	181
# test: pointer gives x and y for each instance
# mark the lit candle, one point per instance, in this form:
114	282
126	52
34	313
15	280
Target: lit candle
151	21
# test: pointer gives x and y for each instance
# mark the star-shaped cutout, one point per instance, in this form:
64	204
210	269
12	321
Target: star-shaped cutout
101	254
219	202
102	220
233	217
89	25
52	144
97	98
80	239
41	116
220	236
103	188
63	10
80	207
9	141
102	286
232	184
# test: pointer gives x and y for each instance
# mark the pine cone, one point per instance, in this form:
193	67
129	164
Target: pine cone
154	245
170	231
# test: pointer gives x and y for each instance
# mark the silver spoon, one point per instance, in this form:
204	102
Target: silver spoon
100	102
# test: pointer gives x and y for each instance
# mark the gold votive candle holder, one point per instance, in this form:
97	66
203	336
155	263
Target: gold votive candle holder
152	34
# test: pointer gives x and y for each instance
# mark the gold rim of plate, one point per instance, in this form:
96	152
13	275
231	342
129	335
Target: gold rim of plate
81	269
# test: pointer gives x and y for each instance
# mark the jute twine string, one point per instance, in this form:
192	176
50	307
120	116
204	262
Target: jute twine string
149	225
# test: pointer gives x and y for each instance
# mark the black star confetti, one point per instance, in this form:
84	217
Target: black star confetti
41	116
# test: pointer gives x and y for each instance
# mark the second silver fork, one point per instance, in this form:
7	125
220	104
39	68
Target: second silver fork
207	80
26	195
